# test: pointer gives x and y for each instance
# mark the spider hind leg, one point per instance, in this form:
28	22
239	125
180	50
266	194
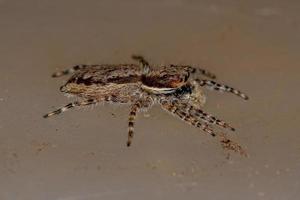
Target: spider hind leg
69	106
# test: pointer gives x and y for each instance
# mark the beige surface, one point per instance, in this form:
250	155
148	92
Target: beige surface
81	155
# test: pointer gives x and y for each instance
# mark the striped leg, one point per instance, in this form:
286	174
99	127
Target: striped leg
71	105
219	87
196	71
143	62
201	115
199	71
69	71
131	120
142	104
187	117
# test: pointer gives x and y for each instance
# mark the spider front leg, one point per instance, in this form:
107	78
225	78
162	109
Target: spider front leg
71	105
199	114
220	87
205	73
185	116
199	71
135	108
143	62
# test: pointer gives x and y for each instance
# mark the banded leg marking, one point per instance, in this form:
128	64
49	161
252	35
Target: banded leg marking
203	72
197	71
208	118
69	106
187	117
142	104
131	120
201	115
220	87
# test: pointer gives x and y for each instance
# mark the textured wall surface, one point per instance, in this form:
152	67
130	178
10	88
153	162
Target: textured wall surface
81	155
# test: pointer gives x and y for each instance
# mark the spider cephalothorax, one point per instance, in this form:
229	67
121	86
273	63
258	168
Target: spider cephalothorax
176	88
166	78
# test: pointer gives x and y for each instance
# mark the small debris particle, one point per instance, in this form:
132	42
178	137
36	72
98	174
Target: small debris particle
230	145
40	146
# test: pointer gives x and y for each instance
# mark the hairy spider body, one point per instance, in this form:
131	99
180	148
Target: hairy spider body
176	88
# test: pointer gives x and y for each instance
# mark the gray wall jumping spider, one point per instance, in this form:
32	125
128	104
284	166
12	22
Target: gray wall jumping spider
176	88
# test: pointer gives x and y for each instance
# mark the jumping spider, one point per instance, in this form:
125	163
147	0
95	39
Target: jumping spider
176	88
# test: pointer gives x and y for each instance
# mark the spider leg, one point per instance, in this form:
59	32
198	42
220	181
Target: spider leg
135	108
143	62
187	117
132	115
220	87
69	71
201	115
196	71
71	105
205	73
